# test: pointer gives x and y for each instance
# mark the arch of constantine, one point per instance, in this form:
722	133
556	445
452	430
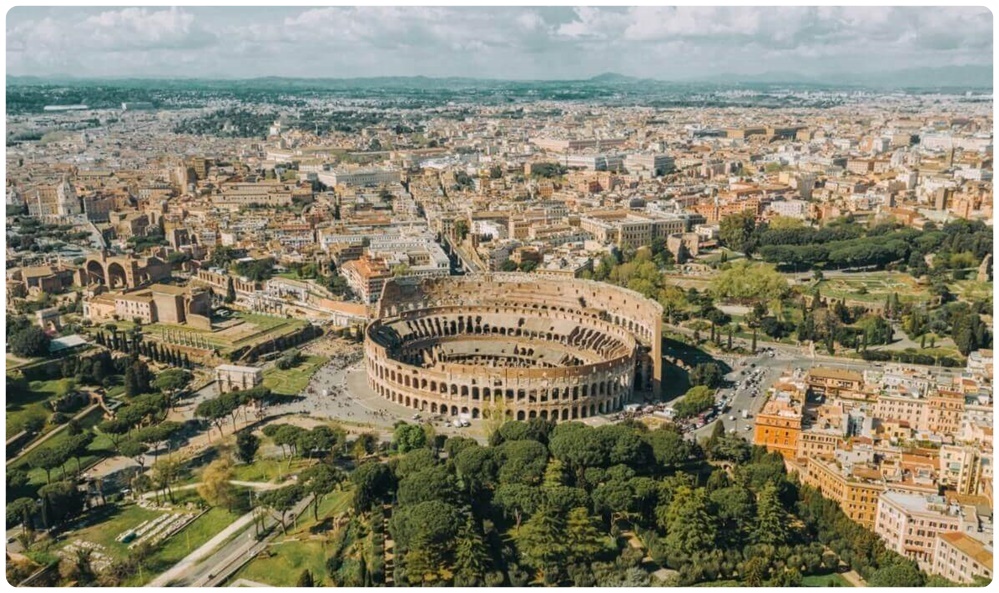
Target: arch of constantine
520	345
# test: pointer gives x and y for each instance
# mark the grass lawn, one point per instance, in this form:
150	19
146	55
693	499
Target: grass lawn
104	533
99	448
824	580
13	361
972	289
332	505
184	542
874	287
283	563
25	404
293	380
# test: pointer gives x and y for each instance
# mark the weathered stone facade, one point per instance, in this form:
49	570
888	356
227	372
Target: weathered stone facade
522	345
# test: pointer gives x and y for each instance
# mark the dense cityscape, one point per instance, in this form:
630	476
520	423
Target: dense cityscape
462	332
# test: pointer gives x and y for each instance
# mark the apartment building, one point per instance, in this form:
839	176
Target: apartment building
778	425
961	558
627	230
832	382
855	488
366	276
910	523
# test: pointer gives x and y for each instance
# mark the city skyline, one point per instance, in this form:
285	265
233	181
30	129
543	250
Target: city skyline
512	43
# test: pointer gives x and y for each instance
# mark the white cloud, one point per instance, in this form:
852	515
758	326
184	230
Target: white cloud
489	42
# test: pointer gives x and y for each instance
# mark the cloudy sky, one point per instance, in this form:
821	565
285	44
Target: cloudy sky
507	42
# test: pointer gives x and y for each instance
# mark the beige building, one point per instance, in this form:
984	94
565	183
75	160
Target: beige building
231	377
160	303
961	558
628	230
855	489
366	277
910	523
835	382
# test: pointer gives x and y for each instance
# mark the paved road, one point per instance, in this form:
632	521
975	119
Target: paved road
770	369
179	572
224	563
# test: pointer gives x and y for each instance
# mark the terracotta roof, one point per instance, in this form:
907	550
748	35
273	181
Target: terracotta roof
969	546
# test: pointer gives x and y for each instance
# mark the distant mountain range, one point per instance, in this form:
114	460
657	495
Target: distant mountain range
949	77
965	77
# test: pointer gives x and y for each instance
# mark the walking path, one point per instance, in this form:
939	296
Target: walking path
254	485
33	444
854	579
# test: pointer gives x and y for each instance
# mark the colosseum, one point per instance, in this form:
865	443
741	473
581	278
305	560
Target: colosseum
522	345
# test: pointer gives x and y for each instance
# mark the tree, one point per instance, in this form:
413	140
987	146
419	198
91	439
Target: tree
47	459
247	444
747	282
281	501
136	450
230	291
214	410
771	517
305	579
60	501
431	483
696	400
582	536
523	462
408	437
754	571
215	487
542	542
461	229
517	500
373	482
22	510
903	573
29	342
735	509
708	374
164	472
471	556
689	527
717	433
319	480
736	230
171	381
77	446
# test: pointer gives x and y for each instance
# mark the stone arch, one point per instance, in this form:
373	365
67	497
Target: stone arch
116	276
95	272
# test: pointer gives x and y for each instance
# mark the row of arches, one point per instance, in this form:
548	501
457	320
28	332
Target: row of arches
558	413
609	386
421	330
